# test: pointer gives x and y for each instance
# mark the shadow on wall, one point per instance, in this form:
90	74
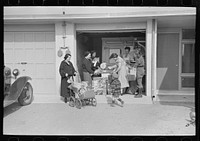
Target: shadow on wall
166	79
161	73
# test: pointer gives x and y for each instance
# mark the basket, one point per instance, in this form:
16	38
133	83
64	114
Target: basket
87	94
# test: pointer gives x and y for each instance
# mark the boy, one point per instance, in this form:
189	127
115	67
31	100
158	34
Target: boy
140	73
115	87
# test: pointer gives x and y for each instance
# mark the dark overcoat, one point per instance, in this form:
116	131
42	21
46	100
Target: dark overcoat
69	69
87	70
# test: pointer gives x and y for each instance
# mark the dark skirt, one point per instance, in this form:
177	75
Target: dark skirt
87	77
65	91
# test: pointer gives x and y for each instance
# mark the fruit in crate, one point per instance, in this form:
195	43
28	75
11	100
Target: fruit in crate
103	66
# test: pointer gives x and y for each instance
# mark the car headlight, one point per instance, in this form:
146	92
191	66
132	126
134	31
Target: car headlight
7	71
15	72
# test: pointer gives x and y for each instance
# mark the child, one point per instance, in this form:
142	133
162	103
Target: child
115	87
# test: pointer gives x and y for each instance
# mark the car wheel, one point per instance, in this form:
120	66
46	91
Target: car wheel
26	96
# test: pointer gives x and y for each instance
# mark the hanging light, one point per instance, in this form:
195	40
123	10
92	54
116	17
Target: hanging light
60	53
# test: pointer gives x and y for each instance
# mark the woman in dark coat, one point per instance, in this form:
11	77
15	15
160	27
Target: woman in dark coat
67	72
87	68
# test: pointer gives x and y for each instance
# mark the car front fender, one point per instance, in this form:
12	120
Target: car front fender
17	87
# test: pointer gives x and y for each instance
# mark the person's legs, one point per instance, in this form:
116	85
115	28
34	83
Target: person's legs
132	87
121	101
113	98
139	86
67	95
116	99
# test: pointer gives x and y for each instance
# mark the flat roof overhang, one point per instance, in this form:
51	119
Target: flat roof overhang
166	16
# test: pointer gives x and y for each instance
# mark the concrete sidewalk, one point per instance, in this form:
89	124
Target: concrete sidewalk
49	115
104	119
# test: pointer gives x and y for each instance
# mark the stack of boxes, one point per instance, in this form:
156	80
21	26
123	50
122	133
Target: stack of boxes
99	85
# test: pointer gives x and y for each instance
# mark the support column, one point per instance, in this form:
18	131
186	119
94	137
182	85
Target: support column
70	42
59	43
154	59
149	57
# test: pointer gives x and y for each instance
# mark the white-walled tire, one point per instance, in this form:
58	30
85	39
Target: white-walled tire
26	96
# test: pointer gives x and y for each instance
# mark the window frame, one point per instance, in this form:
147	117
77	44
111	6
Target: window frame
184	41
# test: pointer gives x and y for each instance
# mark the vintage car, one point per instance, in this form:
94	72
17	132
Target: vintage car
17	89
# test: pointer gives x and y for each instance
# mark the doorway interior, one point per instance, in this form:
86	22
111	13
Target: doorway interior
88	41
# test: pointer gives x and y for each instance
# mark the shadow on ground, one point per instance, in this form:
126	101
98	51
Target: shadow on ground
184	104
190	105
109	101
11	109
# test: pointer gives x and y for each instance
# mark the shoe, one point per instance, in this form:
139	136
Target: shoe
133	93
129	92
113	101
121	101
138	96
65	100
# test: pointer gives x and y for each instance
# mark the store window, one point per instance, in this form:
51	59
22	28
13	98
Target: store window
188	34
188	58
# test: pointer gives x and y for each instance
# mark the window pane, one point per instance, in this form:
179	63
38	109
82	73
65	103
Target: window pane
188	34
188	82
188	58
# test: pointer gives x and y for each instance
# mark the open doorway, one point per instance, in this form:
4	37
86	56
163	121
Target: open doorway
88	41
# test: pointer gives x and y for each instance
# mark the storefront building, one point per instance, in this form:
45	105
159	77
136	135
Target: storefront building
34	35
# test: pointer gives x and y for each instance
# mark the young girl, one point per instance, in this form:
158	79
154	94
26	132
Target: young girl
115	87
